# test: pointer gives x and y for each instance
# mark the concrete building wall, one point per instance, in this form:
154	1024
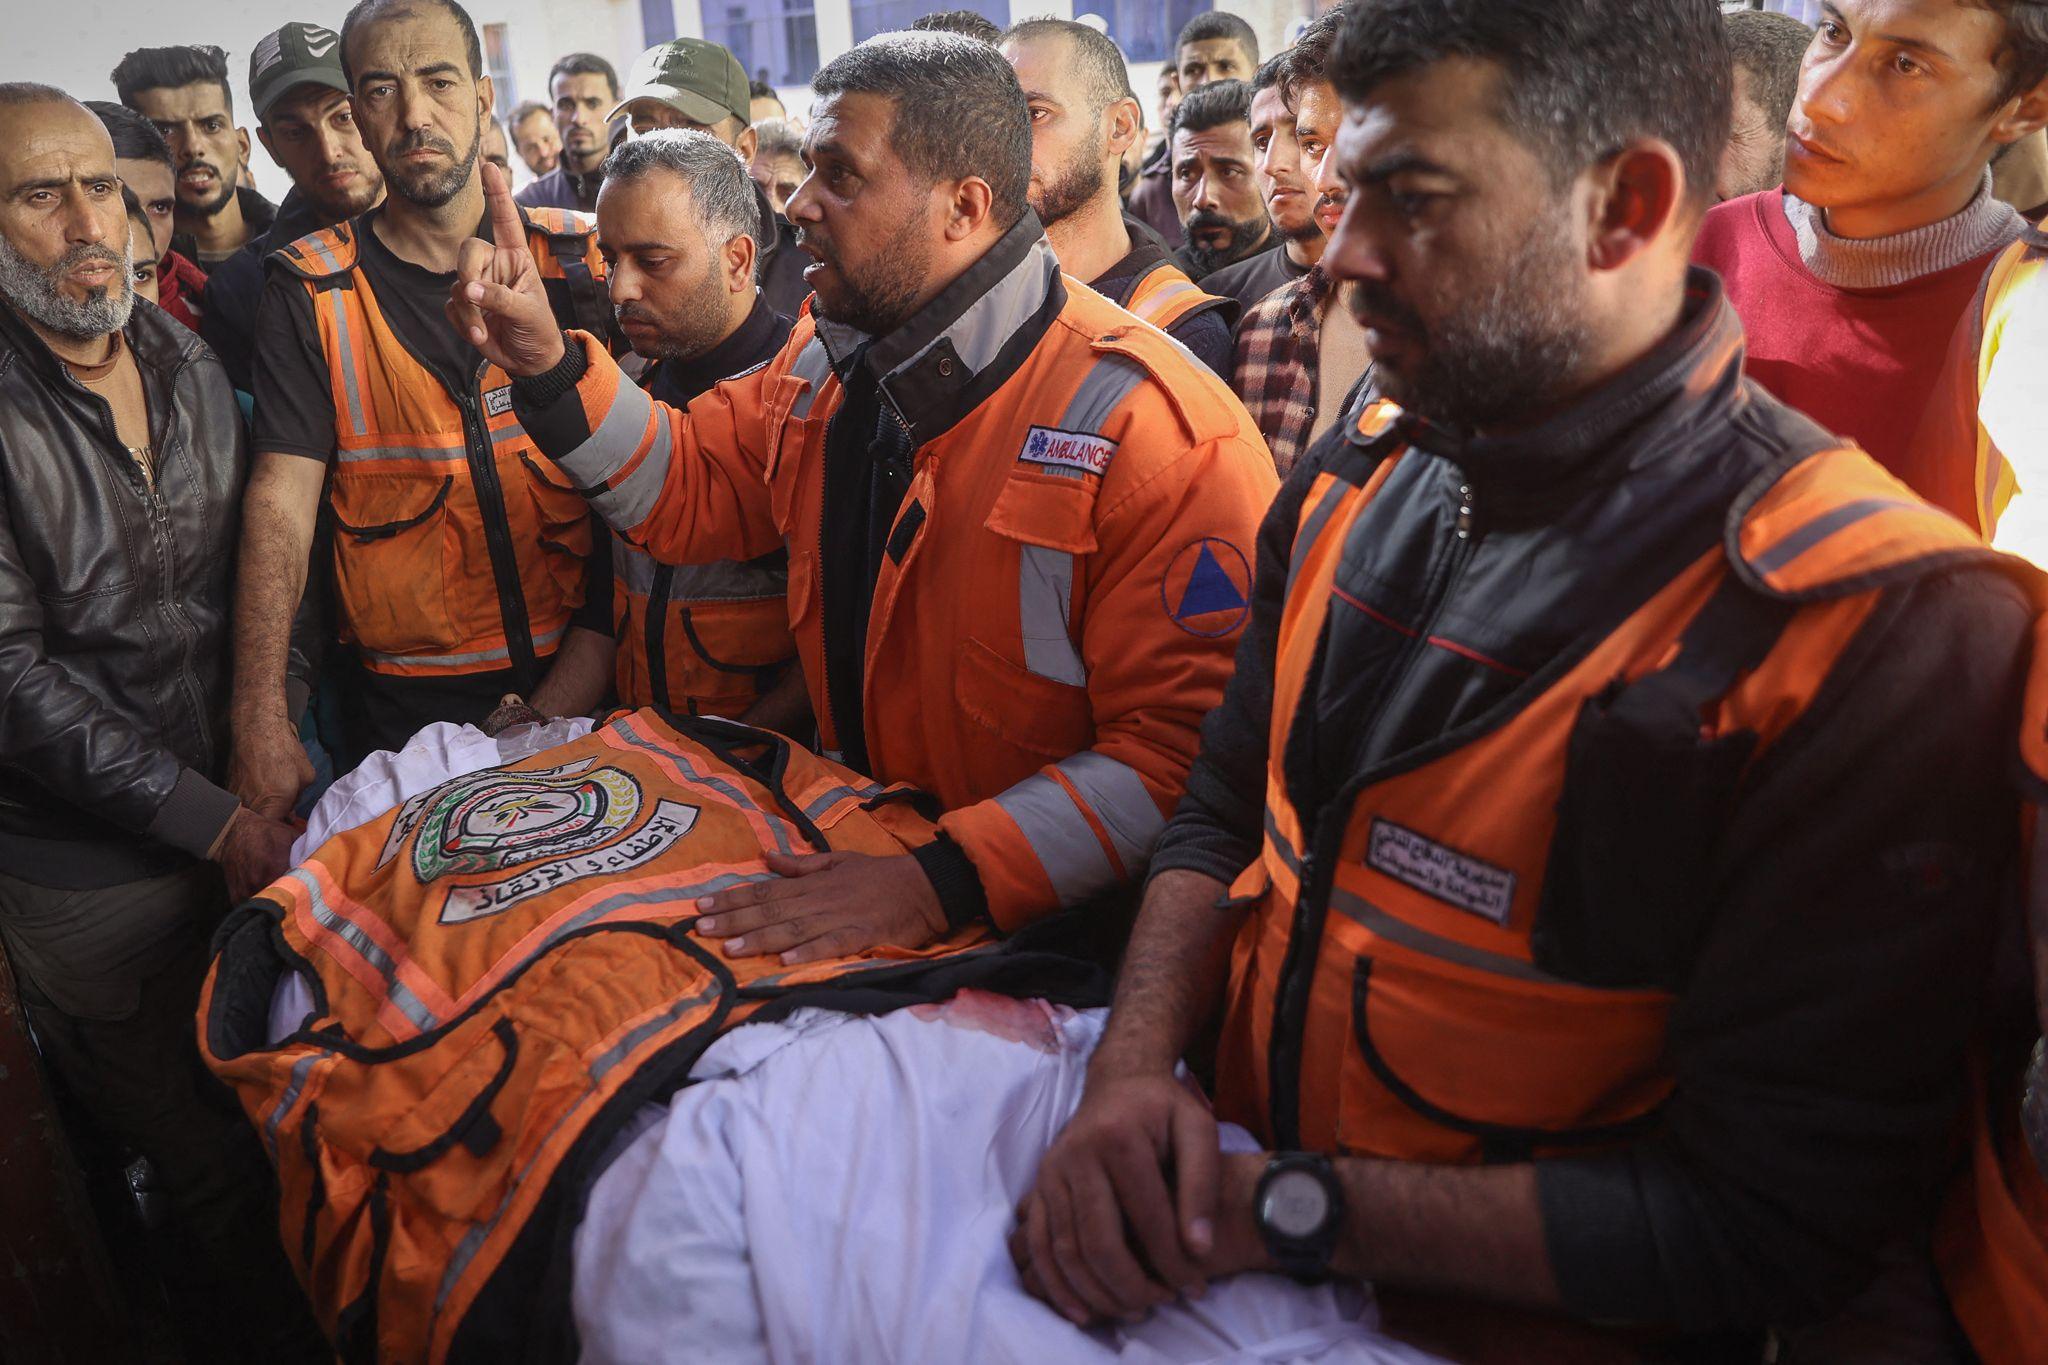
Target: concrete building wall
74	44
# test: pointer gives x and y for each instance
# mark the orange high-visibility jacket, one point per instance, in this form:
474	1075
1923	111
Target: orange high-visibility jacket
1992	394
1389	997
455	550
1065	580
698	639
503	972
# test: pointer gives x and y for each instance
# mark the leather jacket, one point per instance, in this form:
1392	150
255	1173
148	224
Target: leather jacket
114	611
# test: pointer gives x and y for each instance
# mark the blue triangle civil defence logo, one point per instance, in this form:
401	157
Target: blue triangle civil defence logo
1209	589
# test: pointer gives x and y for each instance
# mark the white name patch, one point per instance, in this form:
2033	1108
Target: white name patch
498	401
1067	449
1441	871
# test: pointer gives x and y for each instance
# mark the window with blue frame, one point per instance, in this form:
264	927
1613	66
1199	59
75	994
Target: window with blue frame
657	21
1144	29
775	40
886	16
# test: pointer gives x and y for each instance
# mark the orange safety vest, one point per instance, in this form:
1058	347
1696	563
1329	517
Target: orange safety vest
1396	989
503	972
699	639
456	549
1164	295
1981	364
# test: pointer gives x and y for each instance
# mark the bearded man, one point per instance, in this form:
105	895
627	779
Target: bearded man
122	456
459	567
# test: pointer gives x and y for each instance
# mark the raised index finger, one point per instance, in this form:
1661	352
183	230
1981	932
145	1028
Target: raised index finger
506	229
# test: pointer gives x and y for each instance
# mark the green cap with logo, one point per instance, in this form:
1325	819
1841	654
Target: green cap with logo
295	55
701	81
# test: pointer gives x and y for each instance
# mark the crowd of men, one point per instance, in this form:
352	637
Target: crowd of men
1394	502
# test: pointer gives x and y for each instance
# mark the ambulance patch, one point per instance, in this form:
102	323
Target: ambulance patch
1207	590
555	825
498	401
1067	449
1440	871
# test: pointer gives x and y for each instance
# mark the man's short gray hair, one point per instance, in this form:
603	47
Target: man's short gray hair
724	197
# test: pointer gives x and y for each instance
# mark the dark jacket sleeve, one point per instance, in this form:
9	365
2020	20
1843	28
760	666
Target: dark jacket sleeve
1208	336
228	323
1818	1046
1216	830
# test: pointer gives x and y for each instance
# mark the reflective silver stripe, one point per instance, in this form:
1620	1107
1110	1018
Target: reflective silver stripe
1121	801
1110	380
728	580
632	502
608	449
454	454
1399	931
351	389
1280	844
634	567
1073	858
835	795
1045	595
285	1102
1798	541
319	248
480	656
410	1005
814	365
1157	302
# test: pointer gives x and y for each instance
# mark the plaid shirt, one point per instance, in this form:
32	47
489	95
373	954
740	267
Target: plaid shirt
1278	347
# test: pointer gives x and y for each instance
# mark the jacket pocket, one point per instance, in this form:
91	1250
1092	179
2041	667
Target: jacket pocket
1023	714
391	546
562	526
1446	1062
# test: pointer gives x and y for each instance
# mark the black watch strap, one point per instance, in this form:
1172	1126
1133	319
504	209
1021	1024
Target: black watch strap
1304	1256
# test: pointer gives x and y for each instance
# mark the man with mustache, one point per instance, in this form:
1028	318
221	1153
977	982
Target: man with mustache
1851	279
535	137
1215	184
184	92
1285	176
147	168
1083	114
583	86
458	562
1014	514
122	455
1605	834
306	123
678	221
1300	350
1212	46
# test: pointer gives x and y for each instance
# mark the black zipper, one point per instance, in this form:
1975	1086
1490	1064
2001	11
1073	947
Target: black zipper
657	626
490	497
1317	871
147	485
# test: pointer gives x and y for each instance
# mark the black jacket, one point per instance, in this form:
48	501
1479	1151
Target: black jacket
259	213
235	287
1852	886
114	611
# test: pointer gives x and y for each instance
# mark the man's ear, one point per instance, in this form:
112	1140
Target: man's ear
263	136
1124	125
1634	197
972	203
737	260
242	140
746	144
486	98
2024	113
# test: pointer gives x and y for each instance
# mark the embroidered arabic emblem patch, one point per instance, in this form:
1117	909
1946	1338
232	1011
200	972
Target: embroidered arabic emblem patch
554	825
1207	590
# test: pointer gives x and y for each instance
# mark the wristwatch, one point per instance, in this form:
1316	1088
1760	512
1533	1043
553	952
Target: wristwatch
1299	1205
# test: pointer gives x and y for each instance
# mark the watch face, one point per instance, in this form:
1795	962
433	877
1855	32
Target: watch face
1294	1204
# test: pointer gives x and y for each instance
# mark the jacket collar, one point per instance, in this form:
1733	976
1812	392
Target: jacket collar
158	341
1688	379
960	347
